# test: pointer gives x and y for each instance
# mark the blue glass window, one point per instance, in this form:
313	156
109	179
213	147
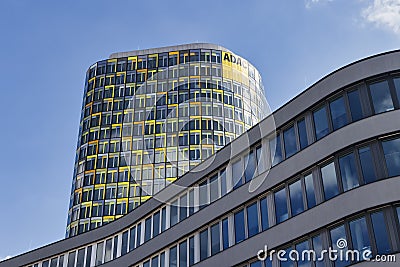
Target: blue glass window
338	113
215	236
173	257
183	254
239	226
237	172
396	82
281	210
275	150
317	247
154	261
132	234
348	172
191	251
264	214
183	208
225	234
296	198
174	213
156	223
124	247
256	264
329	181
337	235
381	98
303	262
359	235
252	220
203	194
380	232
203	244
147	229
321	122
250	170
146	263
301	127
138	234
391	149
287	262
289	139
310	192
71	259
163	219
355	105
367	164
214	188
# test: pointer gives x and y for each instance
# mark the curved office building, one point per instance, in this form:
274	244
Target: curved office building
149	116
326	178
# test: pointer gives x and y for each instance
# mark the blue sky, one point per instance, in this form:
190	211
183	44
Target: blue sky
46	47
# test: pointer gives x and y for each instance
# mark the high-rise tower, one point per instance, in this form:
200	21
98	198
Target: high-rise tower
149	116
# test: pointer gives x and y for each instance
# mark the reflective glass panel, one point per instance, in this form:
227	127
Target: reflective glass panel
329	181
348	172
281	206
381	98
391	149
321	123
338	113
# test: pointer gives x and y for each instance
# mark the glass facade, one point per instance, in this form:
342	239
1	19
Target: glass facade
149	118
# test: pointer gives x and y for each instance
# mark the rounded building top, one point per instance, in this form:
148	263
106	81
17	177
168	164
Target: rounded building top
168	48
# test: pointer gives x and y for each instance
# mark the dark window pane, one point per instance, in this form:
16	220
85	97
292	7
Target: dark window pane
183	254
215	244
203	194
191	251
173	257
355	105
338	113
301	127
237	172
256	264
289	138
156	224
45	264
380	233
359	235
124	247
252	220
71	259
367	165
336	234
329	181
250	170
138	234
264	213
203	244
154	261
391	149
288	262
317	247
296	198
239	226
147	229
81	258
381	98
348	172
174	213
132	237
99	254
183	207
281	206
397	87
303	261
320	123
225	234
310	192
275	150
214	188
88	258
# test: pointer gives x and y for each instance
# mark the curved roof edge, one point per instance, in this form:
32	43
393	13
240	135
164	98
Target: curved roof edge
167	49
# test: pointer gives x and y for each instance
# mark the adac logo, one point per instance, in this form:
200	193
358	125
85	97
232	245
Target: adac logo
231	58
